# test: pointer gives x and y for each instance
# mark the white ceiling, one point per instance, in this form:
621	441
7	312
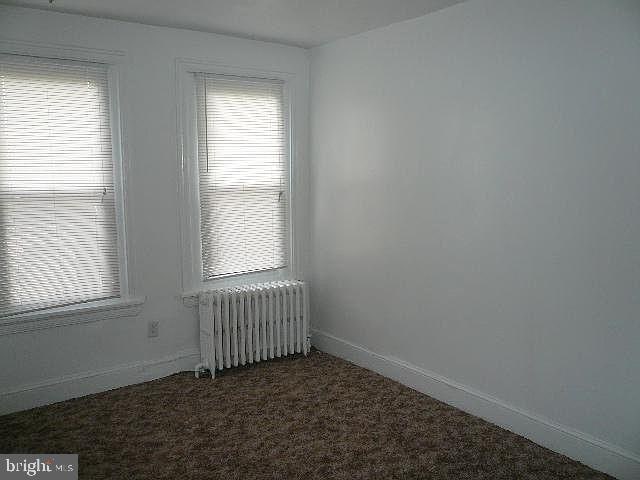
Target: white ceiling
304	23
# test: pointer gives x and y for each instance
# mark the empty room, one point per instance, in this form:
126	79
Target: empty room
306	239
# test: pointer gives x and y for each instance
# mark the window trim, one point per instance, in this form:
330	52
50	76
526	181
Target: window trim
77	313
127	304
188	187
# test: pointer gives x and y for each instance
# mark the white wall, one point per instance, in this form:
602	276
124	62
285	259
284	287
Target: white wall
475	201
57	363
475	184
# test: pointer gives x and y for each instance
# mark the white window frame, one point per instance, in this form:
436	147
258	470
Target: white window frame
190	242
127	304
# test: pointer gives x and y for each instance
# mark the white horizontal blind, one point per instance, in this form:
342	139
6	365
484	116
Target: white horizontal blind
243	174
58	230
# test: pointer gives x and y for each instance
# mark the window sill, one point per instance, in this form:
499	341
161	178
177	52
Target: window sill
190	298
71	315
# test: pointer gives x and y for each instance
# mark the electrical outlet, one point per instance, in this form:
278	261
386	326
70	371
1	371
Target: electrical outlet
153	329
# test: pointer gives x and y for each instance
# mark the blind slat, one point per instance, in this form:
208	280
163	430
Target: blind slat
243	168
58	231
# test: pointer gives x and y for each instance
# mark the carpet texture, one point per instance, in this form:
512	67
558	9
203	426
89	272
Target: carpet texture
300	418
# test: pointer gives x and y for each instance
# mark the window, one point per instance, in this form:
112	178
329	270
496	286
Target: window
243	174
58	225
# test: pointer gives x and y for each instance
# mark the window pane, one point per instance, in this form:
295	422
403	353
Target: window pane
243	174
58	236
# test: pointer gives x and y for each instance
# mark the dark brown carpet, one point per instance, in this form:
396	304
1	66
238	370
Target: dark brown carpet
302	418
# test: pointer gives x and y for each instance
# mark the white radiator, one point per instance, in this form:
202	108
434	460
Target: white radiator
252	323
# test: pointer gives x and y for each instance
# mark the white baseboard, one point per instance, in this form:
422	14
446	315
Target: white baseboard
596	453
85	383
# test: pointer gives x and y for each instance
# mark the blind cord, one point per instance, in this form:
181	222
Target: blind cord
206	124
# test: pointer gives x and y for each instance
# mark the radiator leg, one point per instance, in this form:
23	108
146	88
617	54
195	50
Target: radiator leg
198	368
201	368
